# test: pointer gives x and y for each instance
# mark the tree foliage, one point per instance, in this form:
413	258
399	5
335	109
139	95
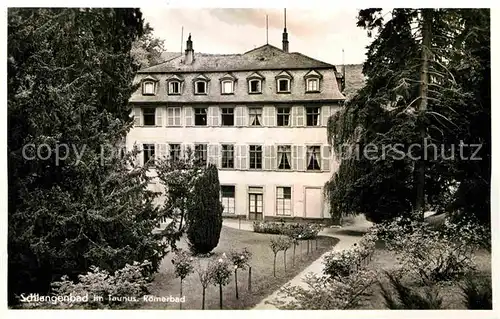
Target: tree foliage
147	49
69	80
387	113
204	213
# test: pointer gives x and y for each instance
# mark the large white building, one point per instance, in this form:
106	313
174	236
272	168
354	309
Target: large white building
260	116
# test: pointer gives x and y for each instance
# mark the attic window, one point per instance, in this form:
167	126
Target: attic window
200	87
174	87
312	85
148	88
254	86
227	87
283	85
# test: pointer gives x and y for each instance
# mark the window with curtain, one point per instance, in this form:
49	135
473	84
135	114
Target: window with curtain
255	115
312	114
313	158
284	156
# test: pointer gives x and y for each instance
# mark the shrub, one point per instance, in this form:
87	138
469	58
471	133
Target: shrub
126	285
305	230
431	255
183	265
323	292
205	213
338	264
477	293
240	260
220	273
400	296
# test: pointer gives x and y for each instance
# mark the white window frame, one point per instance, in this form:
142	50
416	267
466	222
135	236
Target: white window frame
284	212
170	91
174	116
278	89
196	87
308	84
318	158
145	84
222	88
230	200
250	86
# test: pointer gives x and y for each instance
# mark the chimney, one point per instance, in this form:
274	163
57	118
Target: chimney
189	53
285	37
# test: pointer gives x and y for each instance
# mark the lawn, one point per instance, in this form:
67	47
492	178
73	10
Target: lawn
263	282
383	259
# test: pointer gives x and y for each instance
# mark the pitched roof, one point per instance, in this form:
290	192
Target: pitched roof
266	57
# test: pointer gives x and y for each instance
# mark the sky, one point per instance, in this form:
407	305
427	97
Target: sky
320	34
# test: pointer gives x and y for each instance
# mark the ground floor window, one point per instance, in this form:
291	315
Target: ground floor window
284	201
228	198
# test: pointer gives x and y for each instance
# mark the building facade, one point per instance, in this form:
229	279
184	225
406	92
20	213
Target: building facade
260	116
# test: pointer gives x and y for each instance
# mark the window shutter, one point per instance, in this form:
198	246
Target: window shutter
240	157
266	120
136	112
267	157
301	157
188	115
293	117
187	147
213	116
237	157
244	115
138	158
295	163
274	164
325	158
244	156
299	121
272	116
177	116
325	114
239	118
159	116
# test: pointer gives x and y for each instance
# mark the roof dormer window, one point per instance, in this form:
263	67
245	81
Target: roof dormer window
148	88
174	84
227	84
255	83
283	82
313	81
201	85
149	85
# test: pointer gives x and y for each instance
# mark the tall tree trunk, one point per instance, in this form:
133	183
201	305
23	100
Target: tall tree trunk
203	299
422	108
236	281
220	296
284	259
180	303
274	266
293	258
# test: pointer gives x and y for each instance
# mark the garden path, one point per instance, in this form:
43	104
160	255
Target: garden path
349	234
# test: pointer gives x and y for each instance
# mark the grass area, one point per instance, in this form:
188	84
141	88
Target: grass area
383	259
263	282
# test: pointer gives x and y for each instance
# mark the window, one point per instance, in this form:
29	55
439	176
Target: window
173	116
312	85
255	115
227	156
254	86
256	156
174	87
284	156
313	158
227	116
148	88
284	201
228	198
200	153
200	116
175	152
283	85
312	114
283	116
149	153
227	87
200	87
149	115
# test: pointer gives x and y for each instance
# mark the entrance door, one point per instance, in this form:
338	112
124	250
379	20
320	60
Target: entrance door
255	206
314	205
